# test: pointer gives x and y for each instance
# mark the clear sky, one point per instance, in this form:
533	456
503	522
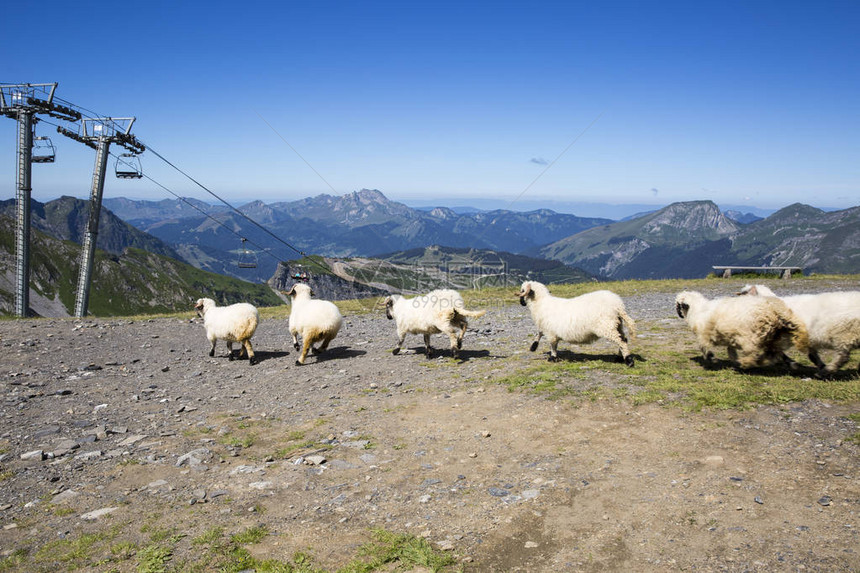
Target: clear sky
745	102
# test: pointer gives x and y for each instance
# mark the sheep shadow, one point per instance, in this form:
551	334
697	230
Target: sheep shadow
773	370
466	355
263	355
337	353
571	356
462	355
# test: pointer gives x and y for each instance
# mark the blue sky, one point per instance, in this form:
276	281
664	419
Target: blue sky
751	103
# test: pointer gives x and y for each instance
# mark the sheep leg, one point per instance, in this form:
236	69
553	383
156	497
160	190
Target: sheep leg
427	349
229	350
246	345
456	342
838	362
306	344
534	345
789	361
816	359
402	337
553	349
212	342
462	334
323	346
747	359
618	337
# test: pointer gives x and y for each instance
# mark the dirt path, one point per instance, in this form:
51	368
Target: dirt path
133	418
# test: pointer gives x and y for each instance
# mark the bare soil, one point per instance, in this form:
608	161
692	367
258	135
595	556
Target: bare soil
132	417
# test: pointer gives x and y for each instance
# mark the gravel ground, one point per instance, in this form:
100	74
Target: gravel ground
114	421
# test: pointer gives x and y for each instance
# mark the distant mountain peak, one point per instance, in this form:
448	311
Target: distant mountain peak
371	195
695	217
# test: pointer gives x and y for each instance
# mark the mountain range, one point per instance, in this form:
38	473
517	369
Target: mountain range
362	223
680	240
684	240
412	248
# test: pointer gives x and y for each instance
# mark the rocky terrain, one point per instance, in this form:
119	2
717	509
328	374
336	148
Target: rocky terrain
129	426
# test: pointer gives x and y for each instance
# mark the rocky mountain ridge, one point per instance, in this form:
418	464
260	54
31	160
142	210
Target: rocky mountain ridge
684	240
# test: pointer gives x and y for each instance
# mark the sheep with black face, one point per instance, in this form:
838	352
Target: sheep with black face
234	323
756	331
579	320
439	311
313	320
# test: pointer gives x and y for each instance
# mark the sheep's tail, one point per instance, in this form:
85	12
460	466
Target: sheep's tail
799	335
628	324
470	313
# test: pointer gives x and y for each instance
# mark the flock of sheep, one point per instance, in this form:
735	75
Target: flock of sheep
757	328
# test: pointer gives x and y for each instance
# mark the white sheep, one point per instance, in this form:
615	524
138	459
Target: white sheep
313	320
439	311
234	323
832	319
756	330
579	320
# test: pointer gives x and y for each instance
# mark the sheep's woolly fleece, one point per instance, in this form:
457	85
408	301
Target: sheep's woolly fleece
439	311
234	323
579	320
313	320
755	330
832	319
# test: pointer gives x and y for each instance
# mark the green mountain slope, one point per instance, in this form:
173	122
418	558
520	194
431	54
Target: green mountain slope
134	282
67	218
800	235
676	241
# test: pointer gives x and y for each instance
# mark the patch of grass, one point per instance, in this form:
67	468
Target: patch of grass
669	370
153	559
547	378
14	561
123	550
157	535
406	551
251	535
76	551
287	451
245	441
209	537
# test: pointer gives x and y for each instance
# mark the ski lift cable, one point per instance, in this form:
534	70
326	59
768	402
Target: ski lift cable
91	113
192	205
235	210
208	216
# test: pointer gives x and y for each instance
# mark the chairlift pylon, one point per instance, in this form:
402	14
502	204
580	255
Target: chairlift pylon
43	150
247	257
128	166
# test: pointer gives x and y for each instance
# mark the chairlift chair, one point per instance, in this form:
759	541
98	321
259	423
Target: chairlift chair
300	274
247	257
43	150
128	166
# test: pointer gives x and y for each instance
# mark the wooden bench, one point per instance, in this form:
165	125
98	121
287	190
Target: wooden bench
784	272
